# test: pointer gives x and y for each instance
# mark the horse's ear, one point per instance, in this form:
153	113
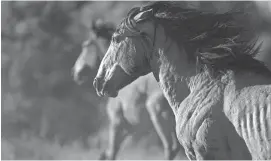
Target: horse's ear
143	15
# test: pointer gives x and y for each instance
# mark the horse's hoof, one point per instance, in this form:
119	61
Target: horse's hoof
102	156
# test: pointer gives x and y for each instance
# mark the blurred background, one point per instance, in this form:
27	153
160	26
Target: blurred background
45	114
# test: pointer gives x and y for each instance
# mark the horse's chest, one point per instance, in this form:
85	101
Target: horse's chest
199	125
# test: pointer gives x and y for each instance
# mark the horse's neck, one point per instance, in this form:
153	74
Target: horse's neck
103	44
170	67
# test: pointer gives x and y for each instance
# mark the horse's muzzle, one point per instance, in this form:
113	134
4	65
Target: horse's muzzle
103	88
81	76
95	83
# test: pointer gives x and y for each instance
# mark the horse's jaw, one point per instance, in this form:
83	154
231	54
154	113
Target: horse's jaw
110	94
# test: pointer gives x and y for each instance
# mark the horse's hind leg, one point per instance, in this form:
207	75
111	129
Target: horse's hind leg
164	123
118	132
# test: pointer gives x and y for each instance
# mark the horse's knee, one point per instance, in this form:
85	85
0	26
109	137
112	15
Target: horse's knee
117	123
154	104
103	156
117	120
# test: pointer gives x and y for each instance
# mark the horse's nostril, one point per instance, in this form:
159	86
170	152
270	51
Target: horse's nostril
95	83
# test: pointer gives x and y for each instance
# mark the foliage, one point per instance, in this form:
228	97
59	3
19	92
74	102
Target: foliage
40	43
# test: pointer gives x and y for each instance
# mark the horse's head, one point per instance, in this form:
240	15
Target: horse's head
127	57
88	59
93	50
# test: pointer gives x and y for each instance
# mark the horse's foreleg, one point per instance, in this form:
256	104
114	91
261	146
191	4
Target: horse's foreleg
163	123
117	135
118	131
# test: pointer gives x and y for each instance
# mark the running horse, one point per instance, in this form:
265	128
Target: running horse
226	114
137	106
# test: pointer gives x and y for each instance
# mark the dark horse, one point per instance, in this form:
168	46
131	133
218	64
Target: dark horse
226	113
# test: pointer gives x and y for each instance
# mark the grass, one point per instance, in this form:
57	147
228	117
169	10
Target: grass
33	148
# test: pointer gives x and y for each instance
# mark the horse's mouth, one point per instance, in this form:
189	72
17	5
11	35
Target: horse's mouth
80	80
109	94
80	76
103	89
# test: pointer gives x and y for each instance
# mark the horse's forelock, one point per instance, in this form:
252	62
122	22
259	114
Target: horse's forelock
129	21
132	13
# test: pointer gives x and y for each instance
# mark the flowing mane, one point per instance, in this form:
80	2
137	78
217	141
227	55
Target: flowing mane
213	41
